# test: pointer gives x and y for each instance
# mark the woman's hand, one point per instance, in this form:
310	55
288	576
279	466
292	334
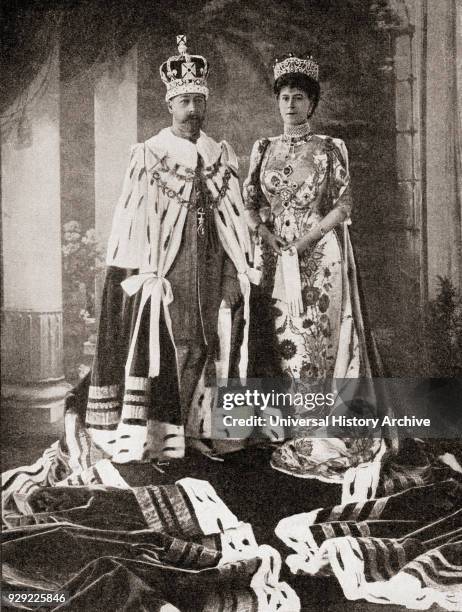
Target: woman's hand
301	244
273	241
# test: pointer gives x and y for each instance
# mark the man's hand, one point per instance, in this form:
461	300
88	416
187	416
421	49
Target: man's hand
273	241
231	291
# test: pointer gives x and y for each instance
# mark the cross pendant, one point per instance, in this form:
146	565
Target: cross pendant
200	221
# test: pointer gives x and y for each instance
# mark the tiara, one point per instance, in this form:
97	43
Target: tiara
293	64
184	73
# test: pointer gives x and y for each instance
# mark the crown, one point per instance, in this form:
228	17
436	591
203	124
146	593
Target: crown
291	64
184	73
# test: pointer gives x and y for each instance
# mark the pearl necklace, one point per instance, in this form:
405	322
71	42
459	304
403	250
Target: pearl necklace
297	131
296	134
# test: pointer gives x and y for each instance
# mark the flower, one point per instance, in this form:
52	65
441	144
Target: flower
82	257
72	236
287	349
327	272
323	302
312	265
310	295
307	323
90	237
308	371
69	249
72	226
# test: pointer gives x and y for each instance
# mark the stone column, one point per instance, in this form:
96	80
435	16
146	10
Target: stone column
399	24
116	128
32	341
407	109
443	182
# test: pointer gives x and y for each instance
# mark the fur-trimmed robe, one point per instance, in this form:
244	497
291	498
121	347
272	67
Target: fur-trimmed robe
147	233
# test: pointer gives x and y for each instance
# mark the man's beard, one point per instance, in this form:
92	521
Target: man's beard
192	124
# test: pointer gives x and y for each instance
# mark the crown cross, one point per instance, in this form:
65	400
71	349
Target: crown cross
188	69
181	44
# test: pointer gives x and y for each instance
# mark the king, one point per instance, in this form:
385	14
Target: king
175	306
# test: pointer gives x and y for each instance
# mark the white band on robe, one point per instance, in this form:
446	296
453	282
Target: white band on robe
244	353
159	290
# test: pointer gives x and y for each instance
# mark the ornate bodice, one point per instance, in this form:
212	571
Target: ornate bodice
294	180
293	173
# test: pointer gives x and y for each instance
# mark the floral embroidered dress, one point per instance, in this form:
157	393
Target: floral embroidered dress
294	181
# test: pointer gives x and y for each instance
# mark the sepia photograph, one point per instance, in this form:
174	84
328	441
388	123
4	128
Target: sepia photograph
231	289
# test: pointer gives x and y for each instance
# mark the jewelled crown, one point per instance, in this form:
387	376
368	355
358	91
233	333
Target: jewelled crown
184	73
291	64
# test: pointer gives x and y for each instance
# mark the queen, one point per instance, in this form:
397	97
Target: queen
298	206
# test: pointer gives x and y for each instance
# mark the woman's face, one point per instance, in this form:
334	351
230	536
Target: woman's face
294	105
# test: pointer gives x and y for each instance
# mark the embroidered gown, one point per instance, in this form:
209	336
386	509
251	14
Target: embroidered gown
293	182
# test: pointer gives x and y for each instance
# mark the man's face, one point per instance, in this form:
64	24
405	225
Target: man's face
188	111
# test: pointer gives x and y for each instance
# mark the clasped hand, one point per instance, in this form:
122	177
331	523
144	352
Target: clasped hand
279	244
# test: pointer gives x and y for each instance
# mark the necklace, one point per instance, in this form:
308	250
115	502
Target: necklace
297	131
296	134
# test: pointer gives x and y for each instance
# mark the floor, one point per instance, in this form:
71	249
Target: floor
253	491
